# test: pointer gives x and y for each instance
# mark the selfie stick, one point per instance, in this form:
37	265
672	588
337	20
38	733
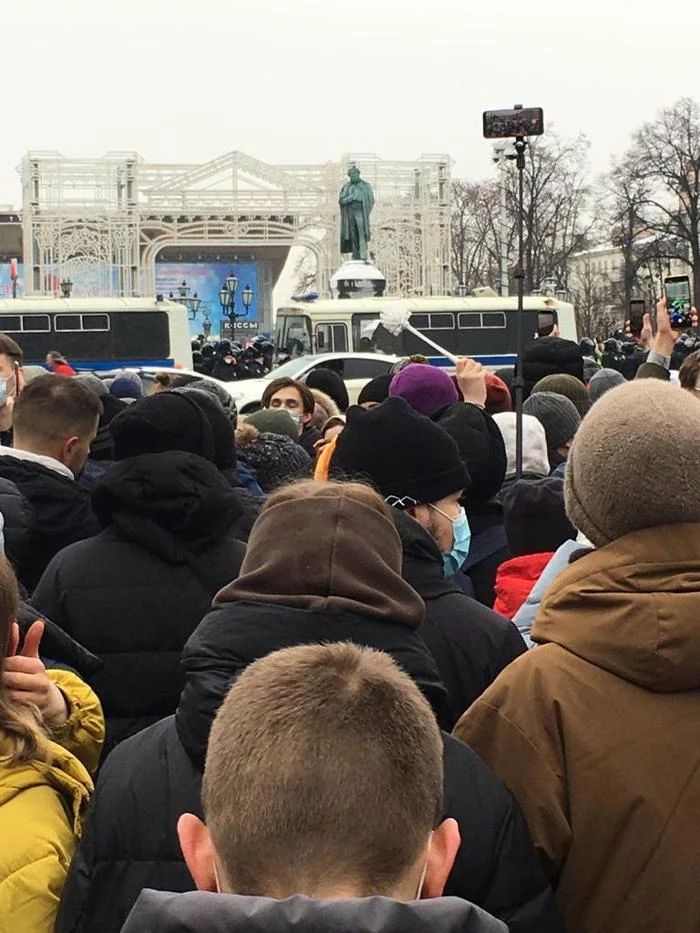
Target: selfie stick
519	376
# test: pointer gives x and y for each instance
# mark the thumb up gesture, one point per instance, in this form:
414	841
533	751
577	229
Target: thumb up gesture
25	679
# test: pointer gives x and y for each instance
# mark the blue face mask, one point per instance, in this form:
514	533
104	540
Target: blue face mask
453	559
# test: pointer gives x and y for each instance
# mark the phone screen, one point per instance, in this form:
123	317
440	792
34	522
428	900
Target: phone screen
636	317
678	301
545	323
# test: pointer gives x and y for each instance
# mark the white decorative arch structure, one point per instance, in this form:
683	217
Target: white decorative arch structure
115	214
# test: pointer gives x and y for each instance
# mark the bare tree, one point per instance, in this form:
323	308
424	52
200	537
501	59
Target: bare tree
558	213
473	235
665	158
592	296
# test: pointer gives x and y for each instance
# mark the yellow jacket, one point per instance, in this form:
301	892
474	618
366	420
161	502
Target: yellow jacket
41	809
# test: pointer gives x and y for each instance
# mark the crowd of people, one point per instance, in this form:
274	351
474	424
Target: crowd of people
228	361
346	667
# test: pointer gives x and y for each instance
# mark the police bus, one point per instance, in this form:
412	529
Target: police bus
483	327
100	333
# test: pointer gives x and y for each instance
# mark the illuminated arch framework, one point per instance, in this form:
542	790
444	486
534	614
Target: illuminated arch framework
115	214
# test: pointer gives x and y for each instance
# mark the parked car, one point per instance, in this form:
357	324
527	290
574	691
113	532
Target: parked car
355	369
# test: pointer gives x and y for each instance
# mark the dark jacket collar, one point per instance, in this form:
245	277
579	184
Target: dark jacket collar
159	912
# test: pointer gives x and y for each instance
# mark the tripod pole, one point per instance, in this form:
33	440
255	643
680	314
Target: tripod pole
519	380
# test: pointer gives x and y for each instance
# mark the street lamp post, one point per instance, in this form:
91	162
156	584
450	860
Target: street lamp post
227	299
66	288
183	298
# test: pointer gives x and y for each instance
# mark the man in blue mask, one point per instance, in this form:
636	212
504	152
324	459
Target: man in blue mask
418	469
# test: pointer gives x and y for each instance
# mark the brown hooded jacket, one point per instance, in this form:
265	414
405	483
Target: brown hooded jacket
339	555
596	733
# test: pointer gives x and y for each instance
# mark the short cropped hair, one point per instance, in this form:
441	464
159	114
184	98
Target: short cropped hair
10	347
284	382
689	371
324	767
53	408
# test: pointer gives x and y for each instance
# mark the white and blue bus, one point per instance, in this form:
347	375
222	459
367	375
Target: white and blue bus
100	333
484	328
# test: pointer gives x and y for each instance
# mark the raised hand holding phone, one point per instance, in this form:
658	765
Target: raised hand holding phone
24	677
666	334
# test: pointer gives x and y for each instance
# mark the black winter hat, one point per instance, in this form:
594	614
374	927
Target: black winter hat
329	382
376	390
550	356
220	424
482	449
403	454
535	517
163	422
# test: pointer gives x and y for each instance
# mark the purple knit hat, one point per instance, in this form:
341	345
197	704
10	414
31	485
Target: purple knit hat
427	389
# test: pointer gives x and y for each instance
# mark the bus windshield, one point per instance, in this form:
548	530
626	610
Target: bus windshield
294	334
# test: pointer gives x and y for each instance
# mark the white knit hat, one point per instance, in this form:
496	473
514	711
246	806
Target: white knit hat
535	458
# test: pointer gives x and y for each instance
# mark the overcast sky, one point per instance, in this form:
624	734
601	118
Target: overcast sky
308	80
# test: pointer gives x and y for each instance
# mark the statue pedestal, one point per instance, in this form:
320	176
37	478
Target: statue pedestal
357	279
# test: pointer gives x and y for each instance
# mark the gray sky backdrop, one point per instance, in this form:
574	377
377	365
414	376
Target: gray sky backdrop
307	80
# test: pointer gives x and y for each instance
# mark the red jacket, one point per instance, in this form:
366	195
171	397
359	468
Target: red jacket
63	369
515	580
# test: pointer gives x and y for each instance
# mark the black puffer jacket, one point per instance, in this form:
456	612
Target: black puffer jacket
470	643
133	594
130	840
44	512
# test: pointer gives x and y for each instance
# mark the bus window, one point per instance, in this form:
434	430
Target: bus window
493	319
95	322
64	323
369	336
421	321
294	334
469	320
36	324
442	322
331	338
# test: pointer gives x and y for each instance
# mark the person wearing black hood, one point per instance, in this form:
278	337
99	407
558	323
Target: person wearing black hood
133	594
372	850
333	576
416	466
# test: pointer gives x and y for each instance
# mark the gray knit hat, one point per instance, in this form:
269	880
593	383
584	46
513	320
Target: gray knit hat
557	415
274	421
568	386
603	381
92	382
647	429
